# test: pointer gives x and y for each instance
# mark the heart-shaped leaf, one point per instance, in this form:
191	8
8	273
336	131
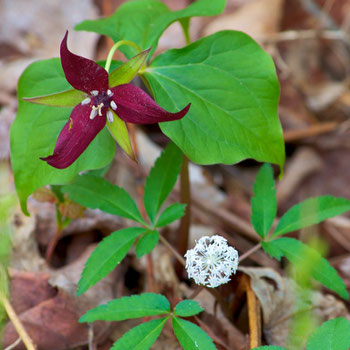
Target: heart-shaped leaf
232	85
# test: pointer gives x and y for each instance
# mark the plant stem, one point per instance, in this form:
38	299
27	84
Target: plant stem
249	252
27	341
180	259
184	228
52	244
115	48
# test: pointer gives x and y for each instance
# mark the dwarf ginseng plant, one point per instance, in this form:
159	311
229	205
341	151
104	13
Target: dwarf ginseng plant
216	99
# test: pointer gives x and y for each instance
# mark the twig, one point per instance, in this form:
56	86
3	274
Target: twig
253	314
13	345
228	218
293	35
249	252
91	337
27	341
314	130
180	259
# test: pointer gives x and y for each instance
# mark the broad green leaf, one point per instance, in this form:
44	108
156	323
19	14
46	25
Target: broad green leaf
173	212
161	179
141	337
311	212
135	306
269	347
94	192
331	335
147	243
36	128
144	21
300	254
68	98
190	336
107	255
264	203
232	85
120	133
187	308
127	71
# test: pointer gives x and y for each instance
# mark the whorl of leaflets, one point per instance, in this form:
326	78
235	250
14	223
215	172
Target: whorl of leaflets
211	262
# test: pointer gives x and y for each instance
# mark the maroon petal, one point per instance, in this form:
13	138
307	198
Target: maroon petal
83	74
75	136
135	106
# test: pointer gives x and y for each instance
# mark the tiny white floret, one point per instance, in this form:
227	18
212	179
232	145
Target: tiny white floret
211	262
94	92
109	93
86	101
110	116
114	105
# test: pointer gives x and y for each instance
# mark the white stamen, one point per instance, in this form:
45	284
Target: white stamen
114	105
86	101
99	109
110	116
93	113
109	93
94	92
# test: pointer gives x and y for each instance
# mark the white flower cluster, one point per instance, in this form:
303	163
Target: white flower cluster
211	262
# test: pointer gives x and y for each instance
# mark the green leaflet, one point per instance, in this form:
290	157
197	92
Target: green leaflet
171	213
147	243
144	21
311	212
300	254
36	128
161	179
264	203
232	85
142	336
95	192
135	306
107	255
331	335
190	336
187	308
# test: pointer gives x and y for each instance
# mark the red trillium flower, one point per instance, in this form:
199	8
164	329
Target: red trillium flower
89	117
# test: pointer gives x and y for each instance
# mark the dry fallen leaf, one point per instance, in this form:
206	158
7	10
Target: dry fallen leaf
277	298
258	18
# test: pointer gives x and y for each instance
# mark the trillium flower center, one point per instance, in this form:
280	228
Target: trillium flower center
101	102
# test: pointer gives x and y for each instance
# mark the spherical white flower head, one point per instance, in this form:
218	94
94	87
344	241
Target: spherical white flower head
211	262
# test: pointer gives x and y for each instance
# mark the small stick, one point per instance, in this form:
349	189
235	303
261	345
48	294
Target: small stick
13	345
27	341
180	259
249	252
91	337
314	130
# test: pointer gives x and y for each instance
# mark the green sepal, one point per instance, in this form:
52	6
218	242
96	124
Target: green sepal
127	71
120	133
68	98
